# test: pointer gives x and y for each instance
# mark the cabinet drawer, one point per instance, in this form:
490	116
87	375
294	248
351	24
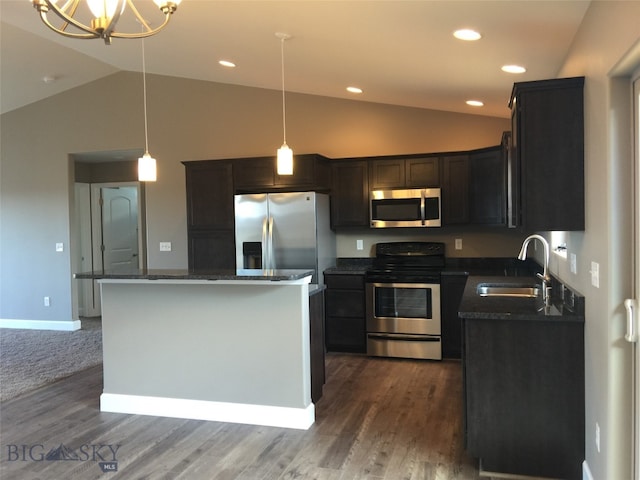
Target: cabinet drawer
348	282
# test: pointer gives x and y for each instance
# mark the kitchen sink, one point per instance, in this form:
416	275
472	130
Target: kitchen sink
509	290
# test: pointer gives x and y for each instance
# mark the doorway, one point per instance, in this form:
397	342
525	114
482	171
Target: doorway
111	235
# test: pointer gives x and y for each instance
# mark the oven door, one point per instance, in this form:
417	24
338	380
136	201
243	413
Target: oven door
403	308
403	320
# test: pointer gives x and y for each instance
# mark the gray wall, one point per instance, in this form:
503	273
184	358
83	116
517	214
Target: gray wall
188	120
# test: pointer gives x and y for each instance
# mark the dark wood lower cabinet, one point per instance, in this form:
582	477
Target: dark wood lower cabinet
211	249
451	290
316	337
524	396
345	310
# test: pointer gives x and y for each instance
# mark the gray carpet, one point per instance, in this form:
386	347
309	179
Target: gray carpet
30	359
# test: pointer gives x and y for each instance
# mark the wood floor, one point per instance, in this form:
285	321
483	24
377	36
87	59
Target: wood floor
378	419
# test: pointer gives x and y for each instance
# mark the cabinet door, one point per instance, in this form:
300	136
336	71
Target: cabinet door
250	174
310	172
349	194
451	291
387	173
212	250
422	172
524	396
316	338
548	138
455	190
487	187
209	189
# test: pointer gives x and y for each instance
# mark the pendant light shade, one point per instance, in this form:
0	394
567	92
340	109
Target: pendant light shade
284	161
147	171
147	168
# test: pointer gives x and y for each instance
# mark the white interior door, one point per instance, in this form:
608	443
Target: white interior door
120	228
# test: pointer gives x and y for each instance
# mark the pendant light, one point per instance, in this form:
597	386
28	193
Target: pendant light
285	154
146	163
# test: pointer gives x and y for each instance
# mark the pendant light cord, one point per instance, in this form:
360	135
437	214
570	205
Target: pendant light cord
144	94
284	122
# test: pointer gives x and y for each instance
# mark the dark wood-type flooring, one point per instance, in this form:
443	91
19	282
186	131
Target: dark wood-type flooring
378	419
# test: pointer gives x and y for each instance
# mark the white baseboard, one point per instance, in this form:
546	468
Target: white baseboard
65	325
267	415
586	472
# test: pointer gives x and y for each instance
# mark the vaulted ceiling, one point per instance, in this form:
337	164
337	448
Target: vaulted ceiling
398	52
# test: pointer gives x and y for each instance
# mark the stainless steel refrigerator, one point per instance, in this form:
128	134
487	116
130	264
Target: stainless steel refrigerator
284	230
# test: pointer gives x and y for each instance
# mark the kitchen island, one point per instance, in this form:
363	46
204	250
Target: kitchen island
230	346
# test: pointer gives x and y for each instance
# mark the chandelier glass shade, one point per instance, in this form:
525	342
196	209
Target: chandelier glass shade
87	19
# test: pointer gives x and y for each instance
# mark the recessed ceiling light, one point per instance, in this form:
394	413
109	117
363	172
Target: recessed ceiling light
475	103
513	69
467	34
354	90
227	63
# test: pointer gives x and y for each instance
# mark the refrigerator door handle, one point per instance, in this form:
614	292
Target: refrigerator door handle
265	243
272	261
631	305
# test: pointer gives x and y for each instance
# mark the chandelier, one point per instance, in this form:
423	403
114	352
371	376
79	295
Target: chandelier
87	19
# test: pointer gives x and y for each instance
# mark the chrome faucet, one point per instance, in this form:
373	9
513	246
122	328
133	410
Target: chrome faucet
546	279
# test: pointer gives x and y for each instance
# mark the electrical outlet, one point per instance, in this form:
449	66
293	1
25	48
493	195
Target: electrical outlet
573	262
47	302
598	437
595	274
359	245
165	246
458	244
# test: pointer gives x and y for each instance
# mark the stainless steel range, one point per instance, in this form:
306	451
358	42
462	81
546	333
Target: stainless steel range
403	300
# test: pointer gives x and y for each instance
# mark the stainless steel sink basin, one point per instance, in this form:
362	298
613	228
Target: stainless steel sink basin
513	290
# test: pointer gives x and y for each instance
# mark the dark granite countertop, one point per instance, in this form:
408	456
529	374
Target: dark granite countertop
350	266
570	308
178	274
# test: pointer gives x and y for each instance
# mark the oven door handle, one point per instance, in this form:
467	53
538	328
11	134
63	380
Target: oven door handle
404	337
423	213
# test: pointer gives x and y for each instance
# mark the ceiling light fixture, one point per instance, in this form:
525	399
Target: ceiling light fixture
285	154
354	90
105	16
513	69
475	103
227	63
467	34
147	171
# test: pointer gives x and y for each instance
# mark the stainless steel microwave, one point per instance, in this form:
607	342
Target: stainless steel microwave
416	207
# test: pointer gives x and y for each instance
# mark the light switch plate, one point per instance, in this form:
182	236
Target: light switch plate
165	246
359	245
59	247
595	274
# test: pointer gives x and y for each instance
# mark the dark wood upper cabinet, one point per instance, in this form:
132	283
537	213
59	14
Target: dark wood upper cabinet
259	174
209	187
349	193
455	190
423	172
487	186
210	214
404	172
548	154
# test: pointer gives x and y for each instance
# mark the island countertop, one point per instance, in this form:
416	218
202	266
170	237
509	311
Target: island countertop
275	275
